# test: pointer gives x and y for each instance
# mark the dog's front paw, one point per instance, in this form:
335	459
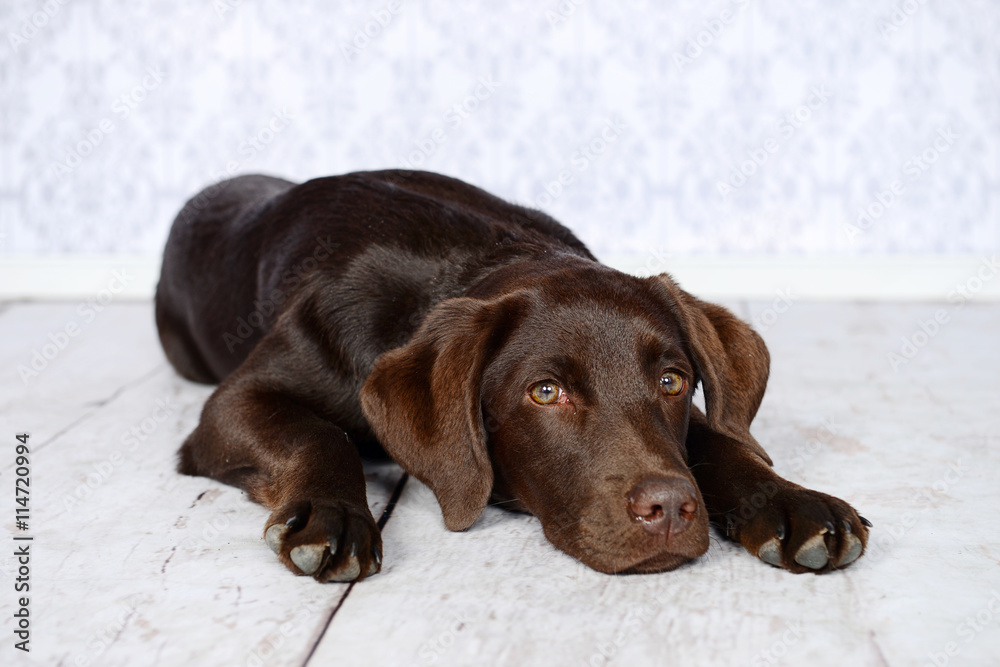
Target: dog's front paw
327	540
797	529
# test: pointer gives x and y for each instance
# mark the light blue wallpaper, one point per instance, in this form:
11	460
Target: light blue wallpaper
742	126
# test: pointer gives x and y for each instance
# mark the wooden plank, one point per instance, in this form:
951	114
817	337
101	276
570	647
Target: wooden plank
61	361
133	563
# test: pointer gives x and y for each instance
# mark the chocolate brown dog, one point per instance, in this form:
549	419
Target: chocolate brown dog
486	350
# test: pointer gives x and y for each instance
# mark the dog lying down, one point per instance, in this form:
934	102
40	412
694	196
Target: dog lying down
483	348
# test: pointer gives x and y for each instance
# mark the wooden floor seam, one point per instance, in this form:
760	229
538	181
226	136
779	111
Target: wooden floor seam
384	519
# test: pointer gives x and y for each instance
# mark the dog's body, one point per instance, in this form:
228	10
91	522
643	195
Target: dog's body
486	350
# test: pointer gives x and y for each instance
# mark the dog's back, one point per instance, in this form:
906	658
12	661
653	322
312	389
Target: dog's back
242	250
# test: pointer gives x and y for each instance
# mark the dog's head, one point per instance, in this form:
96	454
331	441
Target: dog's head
569	397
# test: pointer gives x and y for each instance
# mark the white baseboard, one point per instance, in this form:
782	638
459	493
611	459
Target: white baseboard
883	278
837	278
72	278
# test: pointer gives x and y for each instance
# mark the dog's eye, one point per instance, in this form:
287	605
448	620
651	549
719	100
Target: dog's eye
672	384
546	392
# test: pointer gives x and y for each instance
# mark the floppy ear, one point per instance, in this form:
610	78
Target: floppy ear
424	402
731	359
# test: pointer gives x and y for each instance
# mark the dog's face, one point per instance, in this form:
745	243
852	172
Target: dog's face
586	407
569	399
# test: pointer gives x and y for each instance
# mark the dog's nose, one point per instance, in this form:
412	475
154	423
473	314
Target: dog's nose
663	505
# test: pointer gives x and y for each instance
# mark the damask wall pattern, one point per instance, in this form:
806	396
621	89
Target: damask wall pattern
769	127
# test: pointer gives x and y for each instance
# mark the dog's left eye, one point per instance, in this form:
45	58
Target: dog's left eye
672	384
546	392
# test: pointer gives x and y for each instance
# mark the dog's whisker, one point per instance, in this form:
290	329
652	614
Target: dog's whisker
497	503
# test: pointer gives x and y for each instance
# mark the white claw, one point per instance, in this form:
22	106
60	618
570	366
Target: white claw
308	557
770	552
275	535
853	550
349	572
813	553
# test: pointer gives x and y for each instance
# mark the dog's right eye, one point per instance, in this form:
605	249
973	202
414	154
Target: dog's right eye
546	392
672	384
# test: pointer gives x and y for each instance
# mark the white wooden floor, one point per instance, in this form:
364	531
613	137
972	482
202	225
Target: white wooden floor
133	564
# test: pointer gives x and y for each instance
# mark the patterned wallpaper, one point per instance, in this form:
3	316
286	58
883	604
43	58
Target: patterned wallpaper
683	128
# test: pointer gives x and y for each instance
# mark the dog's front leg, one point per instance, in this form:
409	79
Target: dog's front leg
290	460
776	520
